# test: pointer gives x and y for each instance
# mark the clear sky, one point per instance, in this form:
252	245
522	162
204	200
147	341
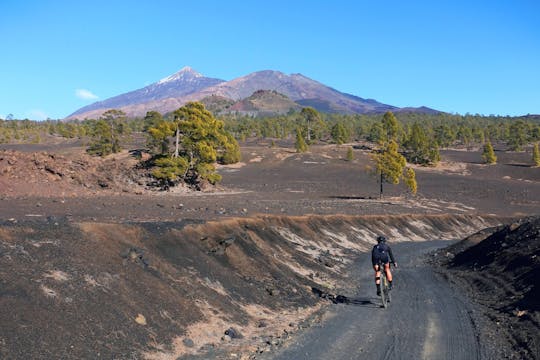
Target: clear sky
455	56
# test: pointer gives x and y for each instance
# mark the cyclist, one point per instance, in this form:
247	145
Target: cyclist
382	252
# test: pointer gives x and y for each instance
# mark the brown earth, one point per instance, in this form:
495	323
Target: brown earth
499	269
98	265
61	180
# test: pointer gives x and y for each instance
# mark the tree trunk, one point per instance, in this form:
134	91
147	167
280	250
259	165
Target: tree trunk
176	146
381	190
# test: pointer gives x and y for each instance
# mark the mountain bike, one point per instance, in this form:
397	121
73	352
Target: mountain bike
385	290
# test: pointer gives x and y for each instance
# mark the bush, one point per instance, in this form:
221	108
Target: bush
169	170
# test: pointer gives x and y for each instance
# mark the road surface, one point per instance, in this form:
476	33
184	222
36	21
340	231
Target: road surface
425	320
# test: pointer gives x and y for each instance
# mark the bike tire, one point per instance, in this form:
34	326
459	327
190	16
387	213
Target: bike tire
384	291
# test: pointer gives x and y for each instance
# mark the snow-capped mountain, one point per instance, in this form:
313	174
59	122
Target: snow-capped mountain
170	93
186	74
182	83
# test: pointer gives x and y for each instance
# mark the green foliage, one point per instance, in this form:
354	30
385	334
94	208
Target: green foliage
201	133
389	167
350	154
231	151
151	119
434	156
421	149
517	135
536	155
444	135
313	126
441	129
390	163
168	170
340	134
199	141
376	133
488	155
107	132
390	126
300	145
159	135
101	144
207	172
410	180
464	134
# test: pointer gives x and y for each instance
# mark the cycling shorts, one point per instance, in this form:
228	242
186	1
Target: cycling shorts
384	258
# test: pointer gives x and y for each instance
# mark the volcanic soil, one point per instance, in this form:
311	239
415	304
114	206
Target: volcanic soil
96	264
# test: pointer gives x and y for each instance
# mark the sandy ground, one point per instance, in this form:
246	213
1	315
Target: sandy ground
98	250
268	181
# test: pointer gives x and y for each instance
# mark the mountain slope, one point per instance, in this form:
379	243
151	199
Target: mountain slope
182	83
188	85
295	86
263	102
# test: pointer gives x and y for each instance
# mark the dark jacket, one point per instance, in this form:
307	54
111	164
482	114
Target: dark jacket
382	252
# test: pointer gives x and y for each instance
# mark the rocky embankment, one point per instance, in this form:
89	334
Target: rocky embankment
499	268
183	289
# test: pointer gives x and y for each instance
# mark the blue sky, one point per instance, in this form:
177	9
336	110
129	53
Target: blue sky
455	56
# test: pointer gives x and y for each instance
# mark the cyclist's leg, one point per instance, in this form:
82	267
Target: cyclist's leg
377	269
388	272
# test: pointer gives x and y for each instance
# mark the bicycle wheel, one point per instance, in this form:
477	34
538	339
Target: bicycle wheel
384	291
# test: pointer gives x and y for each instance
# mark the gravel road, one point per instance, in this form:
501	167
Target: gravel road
425	320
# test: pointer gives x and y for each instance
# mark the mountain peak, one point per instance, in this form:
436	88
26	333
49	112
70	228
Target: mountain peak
185	73
189	85
189	69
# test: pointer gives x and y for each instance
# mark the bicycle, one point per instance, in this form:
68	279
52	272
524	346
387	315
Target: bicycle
385	290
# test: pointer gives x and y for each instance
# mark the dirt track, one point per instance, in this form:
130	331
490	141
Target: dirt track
425	320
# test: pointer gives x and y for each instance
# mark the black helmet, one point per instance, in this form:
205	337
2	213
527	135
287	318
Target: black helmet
381	238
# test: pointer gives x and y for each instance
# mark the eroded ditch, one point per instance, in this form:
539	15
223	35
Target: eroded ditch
171	290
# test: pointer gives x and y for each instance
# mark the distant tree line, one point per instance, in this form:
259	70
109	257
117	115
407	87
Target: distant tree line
443	129
187	142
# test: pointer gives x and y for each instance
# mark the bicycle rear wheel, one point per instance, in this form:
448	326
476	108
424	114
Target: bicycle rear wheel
384	291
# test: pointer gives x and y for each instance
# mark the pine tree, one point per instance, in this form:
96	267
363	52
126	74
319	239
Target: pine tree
536	155
158	136
168	169
517	135
410	180
312	122
391	126
488	155
418	145
339	133
389	165
199	141
231	151
101	144
376	133
350	154
300	144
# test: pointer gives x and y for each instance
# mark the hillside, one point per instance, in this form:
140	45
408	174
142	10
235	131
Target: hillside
188	85
168	290
184	82
499	268
263	102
